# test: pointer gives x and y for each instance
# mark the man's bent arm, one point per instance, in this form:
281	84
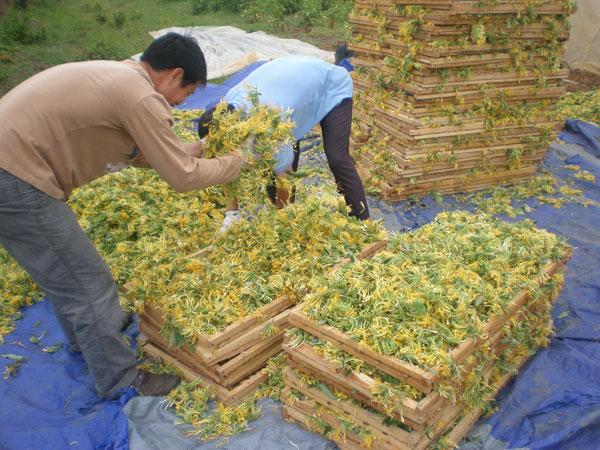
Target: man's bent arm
149	123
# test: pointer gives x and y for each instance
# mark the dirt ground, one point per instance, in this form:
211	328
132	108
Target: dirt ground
3	5
580	80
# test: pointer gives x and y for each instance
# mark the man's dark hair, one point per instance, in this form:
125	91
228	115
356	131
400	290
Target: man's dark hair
205	120
174	50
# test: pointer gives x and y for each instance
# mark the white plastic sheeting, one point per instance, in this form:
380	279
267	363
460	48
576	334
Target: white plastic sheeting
583	47
229	49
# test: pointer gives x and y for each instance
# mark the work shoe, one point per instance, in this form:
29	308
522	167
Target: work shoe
154	384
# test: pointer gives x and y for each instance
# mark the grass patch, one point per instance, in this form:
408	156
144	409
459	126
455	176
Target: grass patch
45	33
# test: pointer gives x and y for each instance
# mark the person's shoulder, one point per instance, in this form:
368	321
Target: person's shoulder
132	83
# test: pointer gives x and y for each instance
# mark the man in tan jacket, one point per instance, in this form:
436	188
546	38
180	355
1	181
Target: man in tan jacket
65	127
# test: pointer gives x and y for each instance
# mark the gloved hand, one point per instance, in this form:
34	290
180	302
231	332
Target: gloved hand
248	153
231	217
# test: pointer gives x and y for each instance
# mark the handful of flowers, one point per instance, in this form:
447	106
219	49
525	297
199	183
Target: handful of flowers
256	133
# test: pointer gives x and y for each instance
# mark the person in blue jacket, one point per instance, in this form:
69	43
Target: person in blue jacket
315	92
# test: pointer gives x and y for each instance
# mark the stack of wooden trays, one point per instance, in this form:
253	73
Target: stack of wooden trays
230	361
327	397
455	95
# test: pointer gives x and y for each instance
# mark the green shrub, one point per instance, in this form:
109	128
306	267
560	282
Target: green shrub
101	50
308	15
201	6
118	20
261	10
18	28
231	6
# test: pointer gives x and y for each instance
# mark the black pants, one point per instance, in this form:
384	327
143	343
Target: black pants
335	128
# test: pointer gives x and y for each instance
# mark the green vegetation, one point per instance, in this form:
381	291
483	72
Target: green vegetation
39	34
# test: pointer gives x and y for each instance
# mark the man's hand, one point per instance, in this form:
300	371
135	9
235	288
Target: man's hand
248	153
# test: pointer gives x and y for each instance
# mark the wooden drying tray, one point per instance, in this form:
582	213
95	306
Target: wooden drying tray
522	33
461	25
237	337
417	168
226	373
483	144
229	397
502	7
396	46
417	88
459	9
407	120
478	132
421	379
377	53
373	59
398	102
400	122
491	138
442	413
246	332
451	420
416	414
454	185
485	77
410	172
468	98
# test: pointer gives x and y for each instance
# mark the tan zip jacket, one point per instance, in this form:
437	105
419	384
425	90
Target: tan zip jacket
76	122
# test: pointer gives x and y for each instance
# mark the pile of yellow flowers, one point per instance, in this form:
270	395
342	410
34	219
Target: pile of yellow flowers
583	105
434	287
136	220
230	131
276	252
17	289
545	188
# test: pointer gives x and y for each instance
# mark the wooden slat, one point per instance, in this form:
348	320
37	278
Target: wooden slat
250	338
229	397
467	347
362	416
415	376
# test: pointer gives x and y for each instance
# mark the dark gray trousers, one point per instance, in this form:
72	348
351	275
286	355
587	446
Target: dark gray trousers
43	236
335	127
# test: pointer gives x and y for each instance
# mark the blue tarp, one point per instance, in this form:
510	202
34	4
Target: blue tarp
584	134
554	402
51	403
205	97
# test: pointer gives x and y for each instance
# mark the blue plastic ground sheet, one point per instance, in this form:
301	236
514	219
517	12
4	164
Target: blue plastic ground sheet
205	97
50	403
554	402
584	134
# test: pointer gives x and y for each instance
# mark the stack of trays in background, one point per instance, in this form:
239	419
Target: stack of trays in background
454	95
